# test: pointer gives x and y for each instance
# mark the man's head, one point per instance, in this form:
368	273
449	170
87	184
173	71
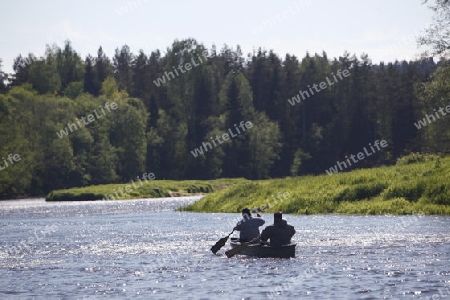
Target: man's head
246	213
278	216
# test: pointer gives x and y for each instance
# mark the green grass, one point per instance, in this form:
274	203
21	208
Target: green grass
149	189
417	183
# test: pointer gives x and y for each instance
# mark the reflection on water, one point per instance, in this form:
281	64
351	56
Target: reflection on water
144	249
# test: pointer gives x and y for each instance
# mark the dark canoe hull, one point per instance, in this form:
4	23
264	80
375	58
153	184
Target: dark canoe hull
257	250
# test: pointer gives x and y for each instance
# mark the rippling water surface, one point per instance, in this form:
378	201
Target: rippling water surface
144	249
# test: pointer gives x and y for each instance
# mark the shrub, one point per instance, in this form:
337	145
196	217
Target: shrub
361	192
412	191
438	193
415	158
69	196
243	190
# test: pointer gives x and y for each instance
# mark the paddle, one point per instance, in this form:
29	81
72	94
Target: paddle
233	251
220	243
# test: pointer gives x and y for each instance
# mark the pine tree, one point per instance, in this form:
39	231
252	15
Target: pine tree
103	70
21	69
237	106
68	64
89	77
123	60
140	79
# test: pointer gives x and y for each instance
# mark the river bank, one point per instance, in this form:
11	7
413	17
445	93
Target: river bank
142	189
417	184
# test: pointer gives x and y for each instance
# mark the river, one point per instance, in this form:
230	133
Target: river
144	249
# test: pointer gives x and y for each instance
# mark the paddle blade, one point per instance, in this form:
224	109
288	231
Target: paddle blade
220	243
233	251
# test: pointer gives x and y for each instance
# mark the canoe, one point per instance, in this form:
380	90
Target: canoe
258	250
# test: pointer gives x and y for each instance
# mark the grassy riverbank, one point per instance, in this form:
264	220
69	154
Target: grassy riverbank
417	183
148	189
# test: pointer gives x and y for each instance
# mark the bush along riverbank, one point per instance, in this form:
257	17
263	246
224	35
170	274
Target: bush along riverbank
141	189
416	184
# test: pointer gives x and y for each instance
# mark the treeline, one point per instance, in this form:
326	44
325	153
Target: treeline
169	105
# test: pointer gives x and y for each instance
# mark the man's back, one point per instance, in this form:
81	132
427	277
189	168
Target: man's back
279	233
249	228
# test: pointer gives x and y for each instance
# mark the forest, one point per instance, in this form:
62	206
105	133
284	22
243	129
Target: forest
68	121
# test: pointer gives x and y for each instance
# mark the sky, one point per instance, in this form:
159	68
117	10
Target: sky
384	29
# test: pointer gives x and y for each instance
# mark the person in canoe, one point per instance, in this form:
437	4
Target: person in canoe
279	233
249	226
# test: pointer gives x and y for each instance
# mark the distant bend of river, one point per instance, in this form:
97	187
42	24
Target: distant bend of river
144	249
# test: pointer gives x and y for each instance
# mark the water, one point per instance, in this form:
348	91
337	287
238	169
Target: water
143	249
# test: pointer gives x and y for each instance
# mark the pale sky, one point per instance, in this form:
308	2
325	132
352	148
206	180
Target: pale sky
385	29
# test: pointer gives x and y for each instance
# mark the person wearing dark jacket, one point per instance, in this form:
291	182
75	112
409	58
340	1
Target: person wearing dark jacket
248	226
279	233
